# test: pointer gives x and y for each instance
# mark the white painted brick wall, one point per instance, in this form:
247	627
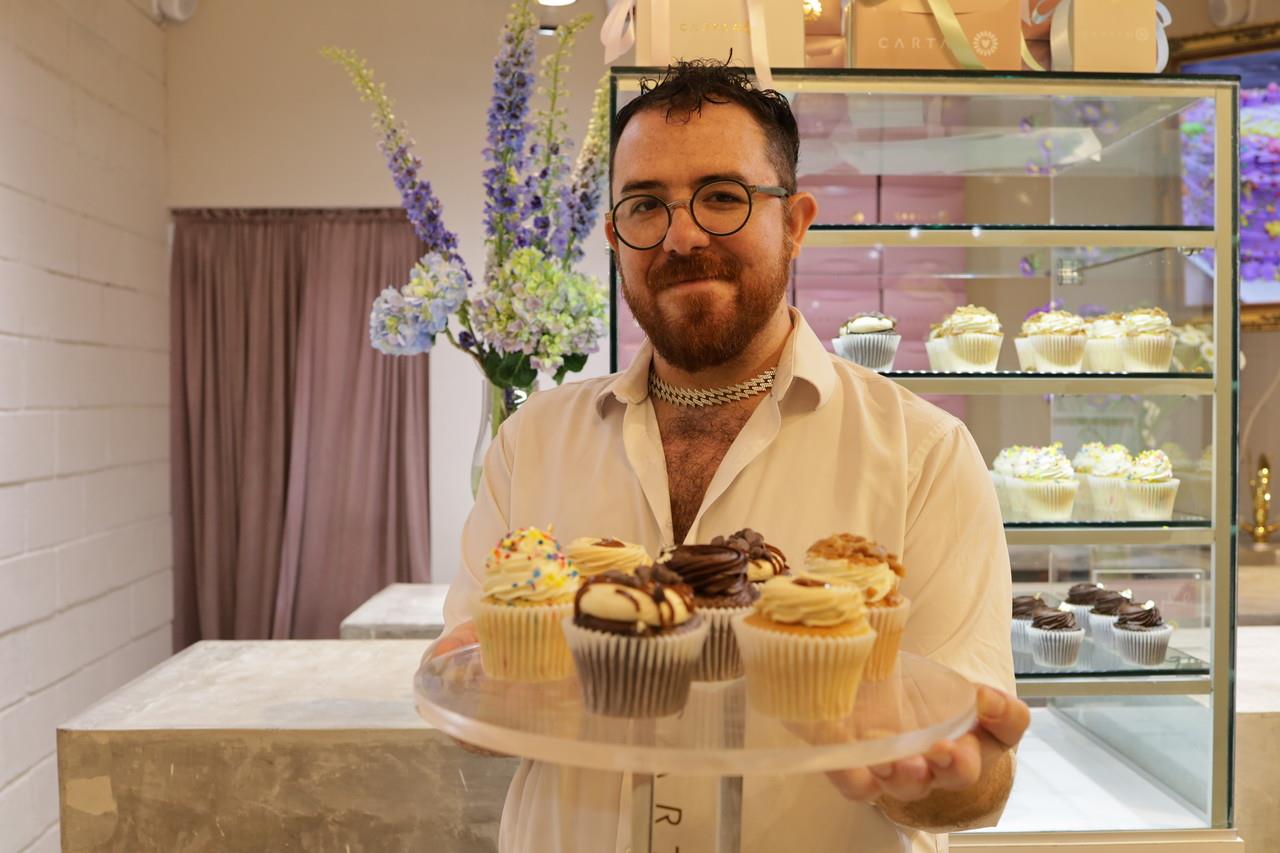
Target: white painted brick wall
86	581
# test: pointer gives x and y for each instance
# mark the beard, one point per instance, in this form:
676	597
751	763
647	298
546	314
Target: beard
698	337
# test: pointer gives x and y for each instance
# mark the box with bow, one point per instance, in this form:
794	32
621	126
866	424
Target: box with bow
938	34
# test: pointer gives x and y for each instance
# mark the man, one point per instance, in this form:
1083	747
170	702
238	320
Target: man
705	225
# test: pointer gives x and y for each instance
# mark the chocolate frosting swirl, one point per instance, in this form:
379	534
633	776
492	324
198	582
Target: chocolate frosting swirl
1108	602
1048	619
1025	606
1084	593
1139	618
653	582
716	573
753	545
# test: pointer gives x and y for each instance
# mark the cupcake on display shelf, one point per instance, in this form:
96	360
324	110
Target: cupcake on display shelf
870	339
1083	462
1151	488
1148	341
1055	637
1002	468
973	335
1104	344
1141	635
1081	598
1108	483
1103	614
1043	487
1024	608
937	349
1057	339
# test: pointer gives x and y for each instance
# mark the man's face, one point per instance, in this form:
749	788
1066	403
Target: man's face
701	299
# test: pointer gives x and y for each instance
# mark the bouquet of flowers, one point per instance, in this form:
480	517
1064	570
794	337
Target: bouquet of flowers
531	312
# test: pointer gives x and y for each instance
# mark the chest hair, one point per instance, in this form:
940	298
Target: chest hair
694	442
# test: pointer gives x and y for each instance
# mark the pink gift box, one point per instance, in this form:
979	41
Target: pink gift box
922	201
828	308
843	199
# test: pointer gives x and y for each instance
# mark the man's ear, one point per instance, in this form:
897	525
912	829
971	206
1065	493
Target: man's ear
803	210
611	236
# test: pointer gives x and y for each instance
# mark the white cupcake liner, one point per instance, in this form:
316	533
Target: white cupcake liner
624	676
1081	612
1108	495
1144	648
1151	501
1148	353
801	676
875	351
1055	648
523	642
1018	634
1104	355
1100	626
1042	500
720	660
888	623
939	353
1002	495
1026	354
1059	353
974	352
1082	509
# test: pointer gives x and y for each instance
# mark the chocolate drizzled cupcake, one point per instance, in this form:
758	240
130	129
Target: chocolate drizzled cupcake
1141	635
1055	636
764	560
636	640
717	574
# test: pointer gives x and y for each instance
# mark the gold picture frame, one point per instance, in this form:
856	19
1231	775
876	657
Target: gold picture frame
1226	44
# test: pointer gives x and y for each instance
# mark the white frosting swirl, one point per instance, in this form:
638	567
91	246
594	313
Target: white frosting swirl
1113	461
1088	454
591	556
1152	466
527	567
862	324
971	319
1006	461
1147	321
1107	326
620	603
1045	463
874	578
783	599
1053	323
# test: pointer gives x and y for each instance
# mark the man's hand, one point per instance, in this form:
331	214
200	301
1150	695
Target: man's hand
976	764
462	635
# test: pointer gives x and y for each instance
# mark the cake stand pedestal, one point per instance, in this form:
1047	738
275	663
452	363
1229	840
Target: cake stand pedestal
717	734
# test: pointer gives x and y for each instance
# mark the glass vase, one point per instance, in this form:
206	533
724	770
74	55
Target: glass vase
496	405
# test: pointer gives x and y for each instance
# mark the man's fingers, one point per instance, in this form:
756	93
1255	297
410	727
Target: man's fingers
907	780
463	635
857	784
1003	716
956	764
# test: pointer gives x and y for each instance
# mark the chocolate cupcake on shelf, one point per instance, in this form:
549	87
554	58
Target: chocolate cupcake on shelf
636	640
870	339
592	556
1024	607
717	576
1141	634
1055	637
1103	614
1081	598
764	560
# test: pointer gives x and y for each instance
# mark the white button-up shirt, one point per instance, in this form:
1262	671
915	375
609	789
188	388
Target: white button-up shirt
832	448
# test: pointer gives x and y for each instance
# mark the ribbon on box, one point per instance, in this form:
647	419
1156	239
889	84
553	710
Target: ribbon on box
618	34
1059	18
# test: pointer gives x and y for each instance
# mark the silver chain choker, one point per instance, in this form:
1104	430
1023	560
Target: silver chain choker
699	397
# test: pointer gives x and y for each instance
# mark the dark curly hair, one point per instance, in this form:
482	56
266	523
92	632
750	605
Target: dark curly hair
686	86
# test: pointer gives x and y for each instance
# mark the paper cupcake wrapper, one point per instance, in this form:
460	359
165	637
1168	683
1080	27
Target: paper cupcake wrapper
720	660
1059	353
802	677
1002	494
875	351
1108	498
1081	612
523	643
1148	353
1144	648
1151	501
1104	355
634	676
888	623
1018	634
1082	509
939	353
1026	354
1055	648
974	352
1100	629
1042	500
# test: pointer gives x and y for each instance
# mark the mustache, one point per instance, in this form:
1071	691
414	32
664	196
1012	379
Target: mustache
681	268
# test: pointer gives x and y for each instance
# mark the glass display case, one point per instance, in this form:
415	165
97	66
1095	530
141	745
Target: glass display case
1098	195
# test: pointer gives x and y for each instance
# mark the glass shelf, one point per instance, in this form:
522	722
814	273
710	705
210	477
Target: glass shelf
1097	660
1008	382
995	235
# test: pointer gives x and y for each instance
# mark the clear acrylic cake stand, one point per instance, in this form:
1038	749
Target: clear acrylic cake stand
717	734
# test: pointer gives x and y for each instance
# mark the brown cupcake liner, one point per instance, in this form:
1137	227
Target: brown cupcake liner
636	677
523	643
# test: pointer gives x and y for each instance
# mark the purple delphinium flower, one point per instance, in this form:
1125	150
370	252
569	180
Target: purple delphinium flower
581	194
508	125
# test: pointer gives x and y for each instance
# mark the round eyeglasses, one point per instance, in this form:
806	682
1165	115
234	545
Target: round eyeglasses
719	208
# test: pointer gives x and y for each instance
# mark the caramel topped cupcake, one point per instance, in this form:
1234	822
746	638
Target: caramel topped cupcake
764	560
716	573
591	556
650	602
851	559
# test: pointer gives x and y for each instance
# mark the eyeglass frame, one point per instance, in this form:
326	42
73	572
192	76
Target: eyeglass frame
764	189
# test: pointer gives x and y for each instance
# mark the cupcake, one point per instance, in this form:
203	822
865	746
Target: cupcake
804	648
1108	482
1151	488
937	349
1105	610
1002	471
1026	352
1141	635
1043	487
1055	637
717	575
856	561
869	339
1081	598
1058	338
1104	344
591	556
973	338
764	560
1148	341
1082	464
636	641
1024	607
528	591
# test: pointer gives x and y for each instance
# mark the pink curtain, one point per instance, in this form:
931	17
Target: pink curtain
299	453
